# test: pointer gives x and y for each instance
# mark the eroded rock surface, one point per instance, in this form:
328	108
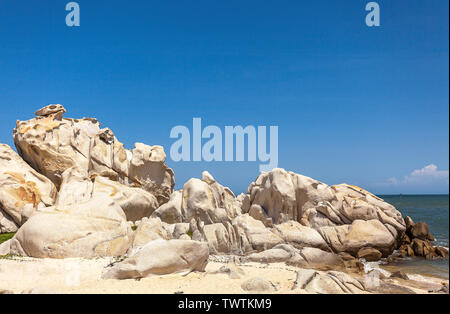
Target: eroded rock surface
21	188
52	144
339	213
160	257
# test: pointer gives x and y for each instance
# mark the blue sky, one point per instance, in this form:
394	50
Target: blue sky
367	106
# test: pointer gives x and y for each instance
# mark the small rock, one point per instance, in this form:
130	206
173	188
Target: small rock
258	284
441	252
420	230
400	274
408	222
369	254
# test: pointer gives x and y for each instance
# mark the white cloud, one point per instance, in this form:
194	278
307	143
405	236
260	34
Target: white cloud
429	179
430	171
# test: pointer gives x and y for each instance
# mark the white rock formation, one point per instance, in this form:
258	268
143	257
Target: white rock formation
161	257
203	199
279	196
52	144
95	228
20	187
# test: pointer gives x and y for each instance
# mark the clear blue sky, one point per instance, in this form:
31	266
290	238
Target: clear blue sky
354	104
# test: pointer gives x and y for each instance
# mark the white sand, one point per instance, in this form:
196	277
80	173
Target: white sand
84	276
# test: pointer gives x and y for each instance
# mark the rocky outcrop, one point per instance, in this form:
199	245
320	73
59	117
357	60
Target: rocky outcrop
21	189
161	257
52	144
149	230
107	191
305	257
360	234
203	199
417	242
95	228
332	282
339	213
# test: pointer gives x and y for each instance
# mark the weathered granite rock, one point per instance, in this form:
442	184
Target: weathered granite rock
77	187
203	199
52	144
135	202
399	274
305	257
284	196
300	236
258	284
170	212
20	186
7	224
332	282
161	257
420	230
360	234
254	235
369	254
150	230
5	248
96	228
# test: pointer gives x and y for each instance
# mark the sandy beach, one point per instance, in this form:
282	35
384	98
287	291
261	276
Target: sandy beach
82	276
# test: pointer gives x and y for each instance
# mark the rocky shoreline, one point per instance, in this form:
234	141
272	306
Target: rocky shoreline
74	192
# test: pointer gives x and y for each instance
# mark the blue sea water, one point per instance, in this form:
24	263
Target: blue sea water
434	210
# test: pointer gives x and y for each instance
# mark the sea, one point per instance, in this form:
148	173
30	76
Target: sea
434	210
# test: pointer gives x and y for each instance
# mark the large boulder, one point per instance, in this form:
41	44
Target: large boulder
300	236
149	230
161	257
304	257
351	238
21	188
253	235
170	212
52	144
78	187
280	196
203	199
96	228
332	282
135	202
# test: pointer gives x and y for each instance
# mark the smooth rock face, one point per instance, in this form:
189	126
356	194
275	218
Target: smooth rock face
297	235
258	284
20	186
52	144
332	282
285	196
254	235
304	257
420	230
162	257
203	199
96	228
7	224
369	254
150	230
170	212
360	234
135	202
5	248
